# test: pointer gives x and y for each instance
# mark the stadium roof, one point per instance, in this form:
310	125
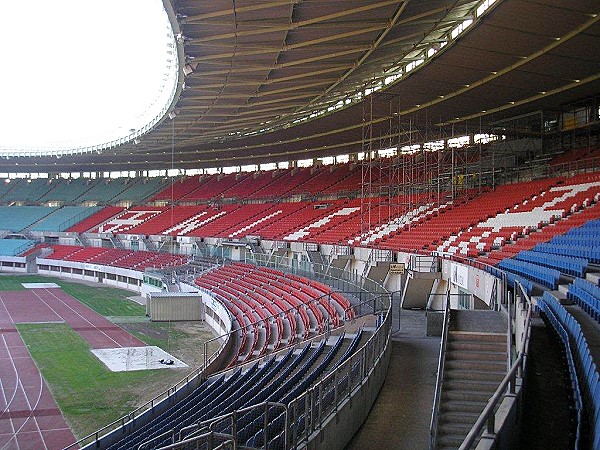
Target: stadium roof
294	79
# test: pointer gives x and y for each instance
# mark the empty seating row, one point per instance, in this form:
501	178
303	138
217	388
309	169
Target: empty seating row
126	259
18	218
511	278
587	296
276	378
566	264
553	234
15	247
556	315
586	369
96	219
273	309
79	190
542	275
587	252
60	219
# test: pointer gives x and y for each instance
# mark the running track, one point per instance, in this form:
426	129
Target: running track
29	416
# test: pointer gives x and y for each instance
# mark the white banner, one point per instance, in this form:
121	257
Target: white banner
459	275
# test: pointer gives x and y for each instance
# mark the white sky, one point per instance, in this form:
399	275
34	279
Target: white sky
81	71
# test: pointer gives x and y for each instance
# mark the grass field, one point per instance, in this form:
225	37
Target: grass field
88	394
106	301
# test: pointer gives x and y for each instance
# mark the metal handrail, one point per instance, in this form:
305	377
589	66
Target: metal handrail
167	393
266	320
487	416
440	375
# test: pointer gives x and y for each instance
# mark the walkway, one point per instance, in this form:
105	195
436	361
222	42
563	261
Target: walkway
401	414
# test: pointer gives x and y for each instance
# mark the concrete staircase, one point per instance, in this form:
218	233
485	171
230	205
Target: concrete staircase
475	363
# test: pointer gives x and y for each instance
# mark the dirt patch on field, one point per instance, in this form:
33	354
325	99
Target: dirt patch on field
183	340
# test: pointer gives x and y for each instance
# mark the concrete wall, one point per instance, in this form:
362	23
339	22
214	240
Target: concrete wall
477	281
416	294
13	264
338	430
111	276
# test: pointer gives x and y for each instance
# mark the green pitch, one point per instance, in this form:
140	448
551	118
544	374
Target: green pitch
106	301
88	394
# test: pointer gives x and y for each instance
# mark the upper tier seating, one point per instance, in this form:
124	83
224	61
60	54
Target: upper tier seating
505	213
166	219
214	186
252	184
103	190
139	189
283	184
115	257
5	188
305	214
129	219
335	217
79	190
178	189
96	219
576	156
66	191
353	179
17	218
243	215
62	218
25	190
15	247
321	178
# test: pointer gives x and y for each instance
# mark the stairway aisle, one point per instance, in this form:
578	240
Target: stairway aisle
475	364
476	361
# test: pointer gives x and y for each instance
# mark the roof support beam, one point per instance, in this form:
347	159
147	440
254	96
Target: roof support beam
294	25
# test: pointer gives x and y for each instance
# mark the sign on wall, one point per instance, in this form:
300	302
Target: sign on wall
397	268
459	275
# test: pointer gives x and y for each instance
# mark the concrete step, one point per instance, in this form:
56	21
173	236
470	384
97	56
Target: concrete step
476	337
458	419
449	441
593	277
473	374
470	364
563	288
462	406
455	428
466	395
476	386
476	355
485	346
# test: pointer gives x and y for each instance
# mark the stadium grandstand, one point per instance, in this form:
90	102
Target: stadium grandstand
386	211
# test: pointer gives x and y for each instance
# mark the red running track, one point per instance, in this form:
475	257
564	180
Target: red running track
29	416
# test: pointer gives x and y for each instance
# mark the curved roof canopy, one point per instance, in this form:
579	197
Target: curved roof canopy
292	79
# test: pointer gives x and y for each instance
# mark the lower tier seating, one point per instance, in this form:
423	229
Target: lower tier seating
126	259
275	379
273	309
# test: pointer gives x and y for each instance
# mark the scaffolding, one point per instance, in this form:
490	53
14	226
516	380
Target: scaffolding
422	171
